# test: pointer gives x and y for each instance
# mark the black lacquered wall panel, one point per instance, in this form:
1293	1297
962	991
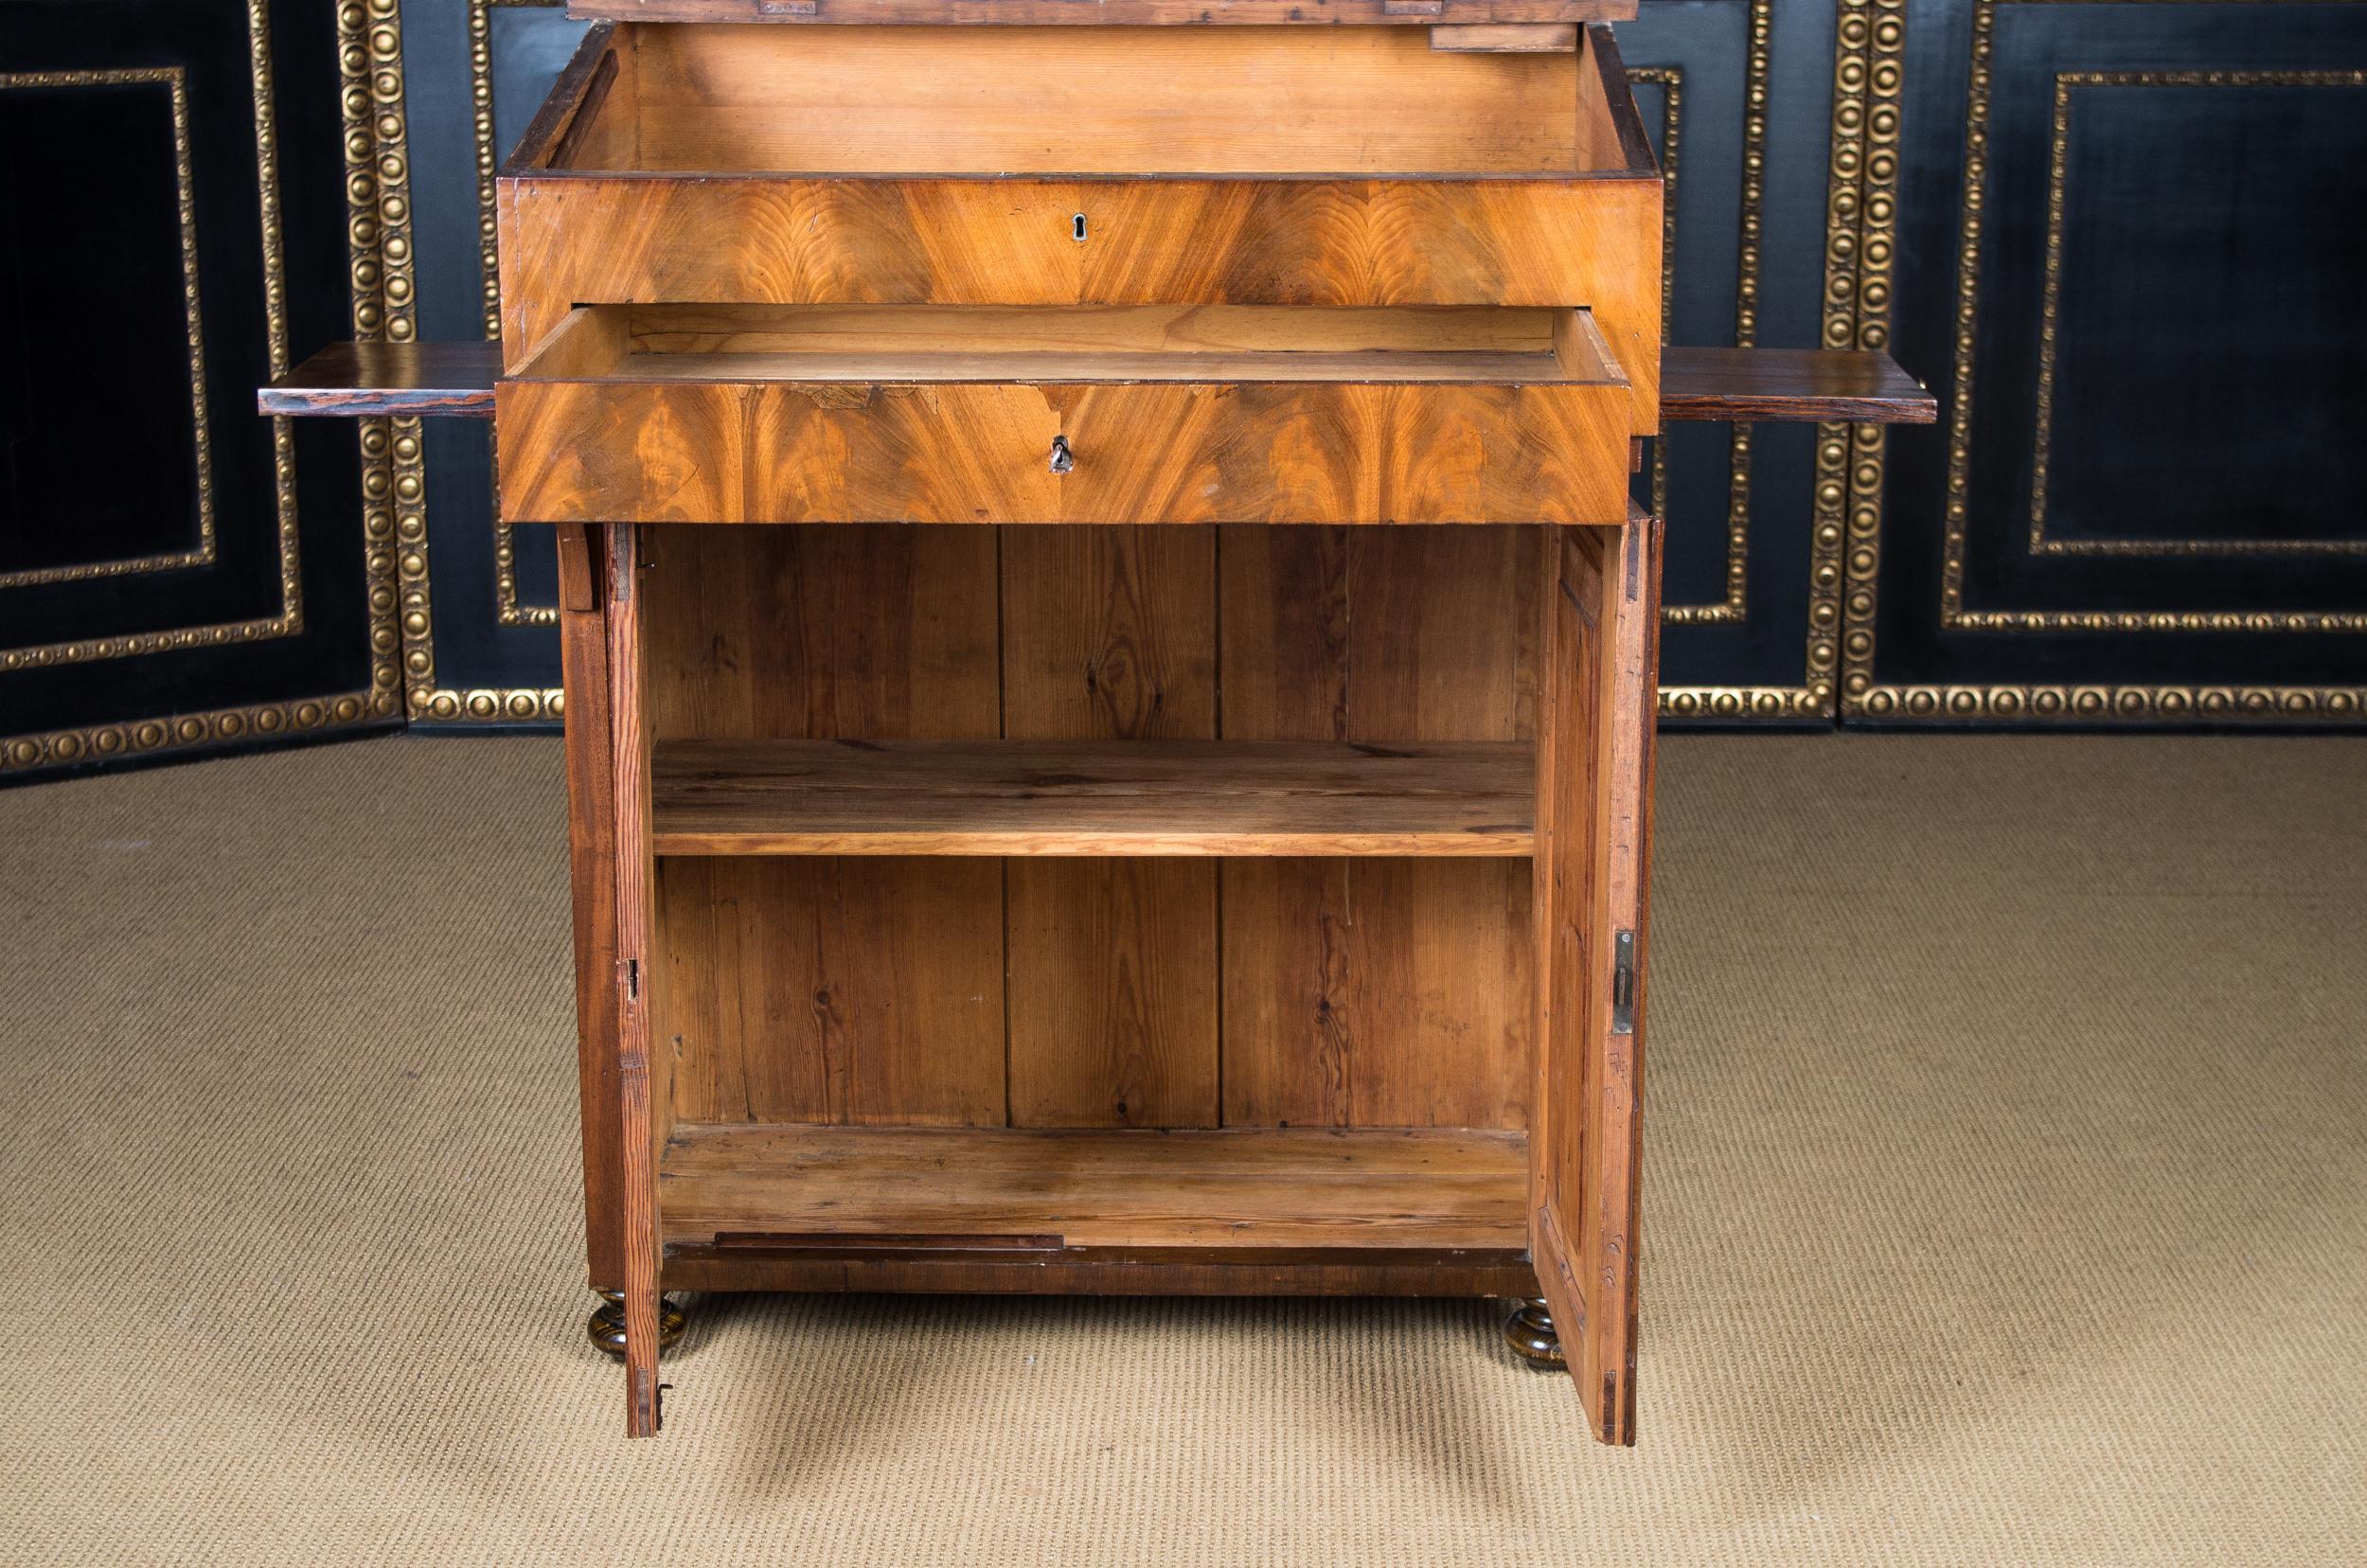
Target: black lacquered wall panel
175	573
477	73
75	338
2132	241
1738	98
1746	88
2122	239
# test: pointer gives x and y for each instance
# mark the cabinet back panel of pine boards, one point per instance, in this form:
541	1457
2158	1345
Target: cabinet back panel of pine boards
1374	992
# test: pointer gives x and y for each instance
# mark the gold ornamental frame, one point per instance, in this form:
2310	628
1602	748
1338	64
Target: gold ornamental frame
1863	694
289	621
405	532
2042	438
176	81
1734	604
1813	698
171	732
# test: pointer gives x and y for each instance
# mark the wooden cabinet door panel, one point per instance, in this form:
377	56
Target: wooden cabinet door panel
1601	593
644	1100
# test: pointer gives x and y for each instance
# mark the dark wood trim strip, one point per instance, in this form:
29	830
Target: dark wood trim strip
1635	149
366	380
587	113
1849	386
592	864
558	114
357	380
636	892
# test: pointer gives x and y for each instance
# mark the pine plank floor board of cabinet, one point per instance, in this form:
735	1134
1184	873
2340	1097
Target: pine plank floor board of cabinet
785	1189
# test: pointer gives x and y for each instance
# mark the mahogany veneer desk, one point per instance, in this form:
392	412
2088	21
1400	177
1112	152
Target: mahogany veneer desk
1032	830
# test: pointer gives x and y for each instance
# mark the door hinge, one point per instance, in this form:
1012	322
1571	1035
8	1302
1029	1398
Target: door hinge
632	976
1623	982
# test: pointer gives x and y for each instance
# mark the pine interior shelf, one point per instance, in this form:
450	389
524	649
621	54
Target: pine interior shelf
786	1187
1075	797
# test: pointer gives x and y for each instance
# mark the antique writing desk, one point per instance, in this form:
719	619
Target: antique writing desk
1110	662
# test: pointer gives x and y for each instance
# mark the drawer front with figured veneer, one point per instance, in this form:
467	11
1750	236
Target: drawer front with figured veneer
1170	414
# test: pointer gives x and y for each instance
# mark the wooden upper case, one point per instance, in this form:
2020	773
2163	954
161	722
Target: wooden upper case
1320	193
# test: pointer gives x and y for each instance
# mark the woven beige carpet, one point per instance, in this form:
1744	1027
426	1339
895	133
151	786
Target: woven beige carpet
2006	1202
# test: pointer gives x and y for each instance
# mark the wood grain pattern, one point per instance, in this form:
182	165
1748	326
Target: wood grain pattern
1110	632
590	874
1378	992
1506	38
598	49
1128	797
1863	387
1372	994
644	1097
1113	989
359	380
1408	336
1384	173
826	990
1098	100
1610	131
927	368
825	633
830	991
834	283
1811	385
772	452
605	131
1601	594
1579	612
1259	1187
1594	241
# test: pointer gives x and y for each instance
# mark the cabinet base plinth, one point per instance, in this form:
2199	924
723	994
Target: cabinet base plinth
1531	1333
606	1326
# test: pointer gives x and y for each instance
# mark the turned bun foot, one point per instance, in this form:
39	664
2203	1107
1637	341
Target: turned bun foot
606	1326
1530	1333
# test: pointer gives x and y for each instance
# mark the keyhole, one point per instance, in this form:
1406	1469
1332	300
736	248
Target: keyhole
1062	459
1077	228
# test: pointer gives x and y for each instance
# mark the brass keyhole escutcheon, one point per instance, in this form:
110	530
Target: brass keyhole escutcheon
1062	458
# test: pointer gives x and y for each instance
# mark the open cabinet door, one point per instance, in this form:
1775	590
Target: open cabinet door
635	918
1601	593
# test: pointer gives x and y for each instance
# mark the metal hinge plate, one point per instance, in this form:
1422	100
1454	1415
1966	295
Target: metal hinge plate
1623	982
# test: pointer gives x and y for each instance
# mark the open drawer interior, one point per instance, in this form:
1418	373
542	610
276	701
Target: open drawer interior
1313	101
1039	344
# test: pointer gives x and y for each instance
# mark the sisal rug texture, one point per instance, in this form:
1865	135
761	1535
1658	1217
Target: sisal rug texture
2006	1202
